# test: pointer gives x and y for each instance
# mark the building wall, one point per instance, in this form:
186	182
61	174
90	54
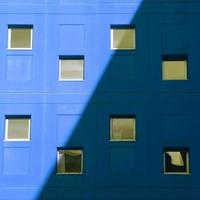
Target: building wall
76	113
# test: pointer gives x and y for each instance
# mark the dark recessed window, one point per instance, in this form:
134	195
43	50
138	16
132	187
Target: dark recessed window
176	161
69	161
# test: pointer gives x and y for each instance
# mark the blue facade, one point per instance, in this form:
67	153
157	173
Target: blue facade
75	114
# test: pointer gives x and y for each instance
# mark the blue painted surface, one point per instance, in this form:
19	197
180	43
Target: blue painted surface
76	114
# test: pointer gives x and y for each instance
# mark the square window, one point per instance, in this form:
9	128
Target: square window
123	37
20	37
122	128
174	69
71	68
69	161
17	128
176	161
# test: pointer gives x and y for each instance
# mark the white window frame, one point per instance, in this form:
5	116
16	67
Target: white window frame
70	173
122	140
6	130
178	173
74	79
112	37
185	78
9	39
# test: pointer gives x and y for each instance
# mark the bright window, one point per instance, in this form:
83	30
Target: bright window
71	68
174	69
176	161
17	128
122	37
20	37
69	161
122	128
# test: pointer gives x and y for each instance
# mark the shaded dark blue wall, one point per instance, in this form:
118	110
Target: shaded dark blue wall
76	114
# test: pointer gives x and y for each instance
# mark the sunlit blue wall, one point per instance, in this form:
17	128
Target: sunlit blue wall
76	114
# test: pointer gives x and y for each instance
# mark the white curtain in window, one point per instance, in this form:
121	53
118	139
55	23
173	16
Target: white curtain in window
61	162
123	38
176	158
71	69
123	128
20	38
18	128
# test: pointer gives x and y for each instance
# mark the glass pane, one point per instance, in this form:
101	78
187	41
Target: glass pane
174	70
17	128
176	161
123	39
70	161
61	163
73	161
176	158
71	69
123	129
20	38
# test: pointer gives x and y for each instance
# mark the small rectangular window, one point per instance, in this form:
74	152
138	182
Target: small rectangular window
20	37
69	161
71	68
176	161
122	128
174	68
17	128
122	37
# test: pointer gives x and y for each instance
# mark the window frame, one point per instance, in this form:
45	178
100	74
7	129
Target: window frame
6	128
133	139
69	173
122	27
187	172
70	58
10	27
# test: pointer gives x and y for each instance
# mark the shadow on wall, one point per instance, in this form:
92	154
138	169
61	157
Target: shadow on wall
110	169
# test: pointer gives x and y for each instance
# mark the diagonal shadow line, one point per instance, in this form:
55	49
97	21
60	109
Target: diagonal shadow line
110	78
